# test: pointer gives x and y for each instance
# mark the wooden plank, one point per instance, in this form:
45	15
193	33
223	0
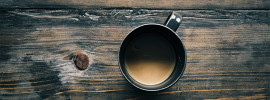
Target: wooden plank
228	54
149	4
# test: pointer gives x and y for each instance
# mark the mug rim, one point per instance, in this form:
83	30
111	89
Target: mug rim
158	89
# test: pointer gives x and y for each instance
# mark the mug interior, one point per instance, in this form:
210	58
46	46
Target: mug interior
178	47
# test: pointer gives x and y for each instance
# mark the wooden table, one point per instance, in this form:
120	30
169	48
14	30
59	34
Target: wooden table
227	43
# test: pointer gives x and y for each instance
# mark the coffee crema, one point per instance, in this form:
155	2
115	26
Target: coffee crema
150	59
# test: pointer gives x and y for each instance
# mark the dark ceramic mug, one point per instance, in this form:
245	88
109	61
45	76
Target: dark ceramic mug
167	31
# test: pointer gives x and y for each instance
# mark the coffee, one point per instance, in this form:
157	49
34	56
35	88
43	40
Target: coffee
150	58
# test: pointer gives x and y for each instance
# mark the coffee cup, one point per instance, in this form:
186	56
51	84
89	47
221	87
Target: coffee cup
152	57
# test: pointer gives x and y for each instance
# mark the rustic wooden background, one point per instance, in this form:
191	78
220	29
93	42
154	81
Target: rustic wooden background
227	43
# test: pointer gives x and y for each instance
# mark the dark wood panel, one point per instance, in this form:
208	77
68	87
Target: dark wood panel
228	54
150	4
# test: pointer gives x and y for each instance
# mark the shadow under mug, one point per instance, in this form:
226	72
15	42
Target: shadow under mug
168	32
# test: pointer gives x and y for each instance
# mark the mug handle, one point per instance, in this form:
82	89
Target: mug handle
173	21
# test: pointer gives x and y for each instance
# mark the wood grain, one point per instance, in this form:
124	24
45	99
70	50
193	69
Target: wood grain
228	53
149	4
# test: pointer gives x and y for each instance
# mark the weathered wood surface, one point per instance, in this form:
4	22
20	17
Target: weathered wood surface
228	53
149	4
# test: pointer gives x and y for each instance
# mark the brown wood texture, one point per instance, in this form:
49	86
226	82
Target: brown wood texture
228	53
149	4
